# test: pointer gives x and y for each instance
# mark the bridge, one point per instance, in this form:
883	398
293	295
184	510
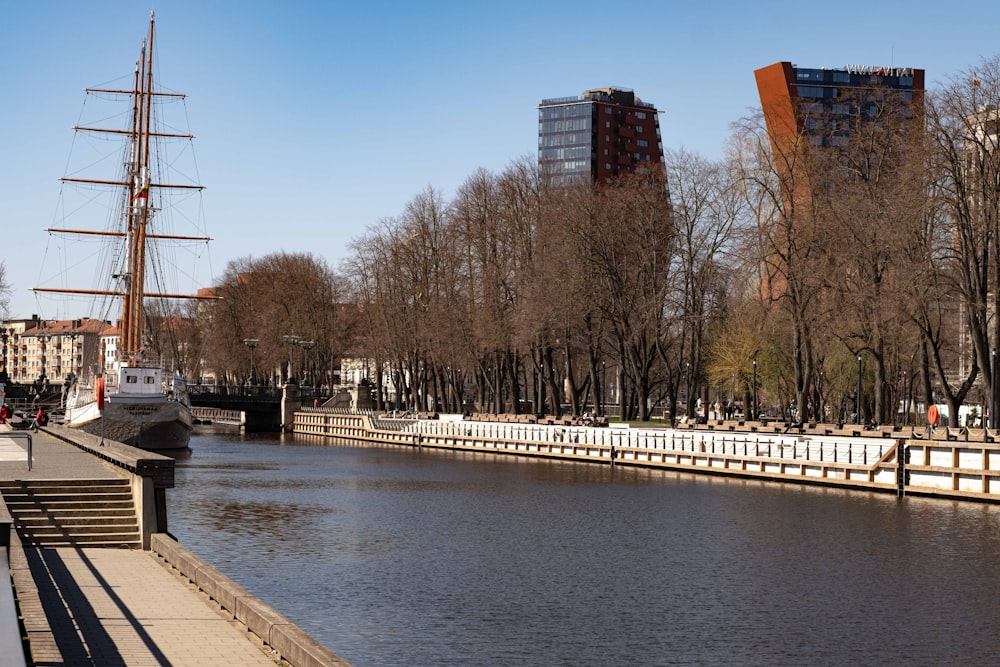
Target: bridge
260	404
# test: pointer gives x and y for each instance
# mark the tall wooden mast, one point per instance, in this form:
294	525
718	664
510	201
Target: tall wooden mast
139	208
137	186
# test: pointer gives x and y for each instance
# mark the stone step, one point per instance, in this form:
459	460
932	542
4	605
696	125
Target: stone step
92	514
48	498
74	491
71	512
108	541
39	532
6	485
94	520
18	506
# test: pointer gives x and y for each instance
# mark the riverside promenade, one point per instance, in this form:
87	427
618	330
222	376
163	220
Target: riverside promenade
957	464
85	605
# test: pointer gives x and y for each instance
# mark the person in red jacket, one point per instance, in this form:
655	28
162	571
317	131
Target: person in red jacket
4	413
40	419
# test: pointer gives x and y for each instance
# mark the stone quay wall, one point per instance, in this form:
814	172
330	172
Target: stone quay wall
290	643
966	470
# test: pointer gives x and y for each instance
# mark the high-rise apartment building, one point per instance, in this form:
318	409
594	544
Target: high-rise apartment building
602	133
823	103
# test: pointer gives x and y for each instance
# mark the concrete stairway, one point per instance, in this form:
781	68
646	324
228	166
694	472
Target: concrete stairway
84	513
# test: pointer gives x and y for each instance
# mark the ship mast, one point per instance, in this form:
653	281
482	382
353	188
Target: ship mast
137	186
138	209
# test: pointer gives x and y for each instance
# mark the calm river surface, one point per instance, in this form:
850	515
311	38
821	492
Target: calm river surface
391	556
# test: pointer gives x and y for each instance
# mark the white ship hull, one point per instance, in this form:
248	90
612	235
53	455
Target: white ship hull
145	420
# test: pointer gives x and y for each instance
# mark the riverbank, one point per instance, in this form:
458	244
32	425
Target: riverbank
886	460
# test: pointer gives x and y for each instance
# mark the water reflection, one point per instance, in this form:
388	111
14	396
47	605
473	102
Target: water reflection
392	556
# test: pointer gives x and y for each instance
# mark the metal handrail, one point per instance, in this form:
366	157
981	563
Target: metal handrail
10	630
20	434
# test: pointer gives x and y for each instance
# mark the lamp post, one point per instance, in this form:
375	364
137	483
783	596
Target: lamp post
604	385
753	396
993	388
687	389
290	341
72	354
857	401
12	332
905	397
42	339
251	343
5	337
306	345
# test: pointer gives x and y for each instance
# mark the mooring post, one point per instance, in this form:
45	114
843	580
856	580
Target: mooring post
902	453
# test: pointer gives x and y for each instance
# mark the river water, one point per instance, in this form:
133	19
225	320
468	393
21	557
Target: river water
393	556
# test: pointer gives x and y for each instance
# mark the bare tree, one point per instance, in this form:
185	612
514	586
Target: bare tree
775	178
5	292
963	124
706	206
278	295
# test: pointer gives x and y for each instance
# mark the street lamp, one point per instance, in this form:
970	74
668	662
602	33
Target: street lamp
306	345
42	340
5	337
905	401
687	390
857	406
604	385
72	354
290	341
251	343
753	396
993	388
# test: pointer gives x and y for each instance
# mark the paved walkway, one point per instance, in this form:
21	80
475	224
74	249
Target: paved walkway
112	607
50	459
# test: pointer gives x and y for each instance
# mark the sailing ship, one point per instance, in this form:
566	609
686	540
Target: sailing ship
129	397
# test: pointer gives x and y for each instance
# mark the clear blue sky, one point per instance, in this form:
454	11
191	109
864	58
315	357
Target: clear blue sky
316	119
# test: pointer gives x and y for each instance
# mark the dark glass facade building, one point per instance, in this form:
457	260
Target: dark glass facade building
824	103
602	133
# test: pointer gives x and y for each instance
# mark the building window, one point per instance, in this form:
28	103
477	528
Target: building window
641	115
607	166
810	91
605	151
841	77
607	124
607	110
641	143
638	129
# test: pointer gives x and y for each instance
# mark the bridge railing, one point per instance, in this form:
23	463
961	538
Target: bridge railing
243	392
235	391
